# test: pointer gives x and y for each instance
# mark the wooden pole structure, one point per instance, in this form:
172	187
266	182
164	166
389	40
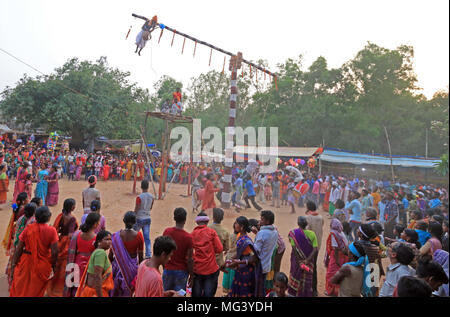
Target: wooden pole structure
148	161
140	151
191	145
163	153
390	154
235	64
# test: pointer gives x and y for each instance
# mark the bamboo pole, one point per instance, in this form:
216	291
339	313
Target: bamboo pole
390	154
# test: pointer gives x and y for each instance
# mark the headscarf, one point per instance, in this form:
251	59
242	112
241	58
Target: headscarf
364	262
202	219
95	180
441	257
336	229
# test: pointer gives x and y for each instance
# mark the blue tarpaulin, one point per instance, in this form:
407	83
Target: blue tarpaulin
339	156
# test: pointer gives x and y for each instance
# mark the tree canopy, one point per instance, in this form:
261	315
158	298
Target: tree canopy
346	107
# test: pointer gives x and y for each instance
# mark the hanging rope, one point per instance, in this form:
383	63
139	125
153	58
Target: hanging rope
223	69
242	75
256	75
182	50
173	37
160	35
210	55
276	85
195	48
251	75
128	32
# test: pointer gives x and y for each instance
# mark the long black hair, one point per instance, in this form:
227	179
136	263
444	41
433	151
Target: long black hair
90	221
243	222
20	201
95	205
69	203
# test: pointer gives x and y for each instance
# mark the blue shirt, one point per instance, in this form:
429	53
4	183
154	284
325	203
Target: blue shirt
405	203
434	203
249	188
423	236
382	206
265	243
356	208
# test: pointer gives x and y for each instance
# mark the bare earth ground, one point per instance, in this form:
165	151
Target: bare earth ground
117	200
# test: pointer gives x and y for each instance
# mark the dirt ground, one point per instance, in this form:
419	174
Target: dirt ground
117	199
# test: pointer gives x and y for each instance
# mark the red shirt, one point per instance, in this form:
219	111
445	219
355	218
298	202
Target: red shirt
183	239
206	245
177	96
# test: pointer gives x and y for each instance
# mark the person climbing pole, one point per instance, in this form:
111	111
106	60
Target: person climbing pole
145	34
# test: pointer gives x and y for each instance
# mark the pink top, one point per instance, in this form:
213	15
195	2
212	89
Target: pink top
316	187
148	282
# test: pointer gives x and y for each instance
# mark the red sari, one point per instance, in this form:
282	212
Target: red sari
208	198
332	265
56	285
32	274
106	172
19	186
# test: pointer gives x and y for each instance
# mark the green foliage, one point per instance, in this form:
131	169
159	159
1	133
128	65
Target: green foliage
442	167
346	107
82	99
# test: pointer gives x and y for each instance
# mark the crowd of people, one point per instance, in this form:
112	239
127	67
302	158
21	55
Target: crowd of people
369	220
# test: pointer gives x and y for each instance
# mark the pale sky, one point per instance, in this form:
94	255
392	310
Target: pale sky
46	33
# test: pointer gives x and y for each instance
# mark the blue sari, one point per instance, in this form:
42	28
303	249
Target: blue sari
42	186
248	280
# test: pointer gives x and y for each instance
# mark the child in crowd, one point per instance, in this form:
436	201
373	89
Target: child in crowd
280	285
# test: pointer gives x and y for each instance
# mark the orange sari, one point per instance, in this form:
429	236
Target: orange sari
33	272
4	183
107	284
56	285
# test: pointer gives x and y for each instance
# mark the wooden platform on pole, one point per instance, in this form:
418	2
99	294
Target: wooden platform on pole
165	146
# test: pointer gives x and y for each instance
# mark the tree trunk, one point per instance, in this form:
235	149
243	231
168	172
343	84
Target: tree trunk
77	139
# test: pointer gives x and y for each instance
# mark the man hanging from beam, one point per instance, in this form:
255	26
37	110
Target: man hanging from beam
144	35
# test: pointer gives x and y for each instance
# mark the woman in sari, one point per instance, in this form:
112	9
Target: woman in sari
65	224
302	261
19	186
95	208
22	222
127	252
53	187
129	169
248	280
42	185
4	183
326	201
80	249
335	255
79	169
106	170
97	279
35	257
18	211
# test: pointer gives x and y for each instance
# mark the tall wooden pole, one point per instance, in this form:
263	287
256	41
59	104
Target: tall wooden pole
235	62
390	154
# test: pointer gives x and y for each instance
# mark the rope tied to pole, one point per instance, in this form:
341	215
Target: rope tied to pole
129	30
195	48
182	50
174	32
160	35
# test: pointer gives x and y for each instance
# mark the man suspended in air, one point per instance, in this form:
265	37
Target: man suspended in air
144	35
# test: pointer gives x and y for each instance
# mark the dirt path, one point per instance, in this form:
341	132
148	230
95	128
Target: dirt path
117	200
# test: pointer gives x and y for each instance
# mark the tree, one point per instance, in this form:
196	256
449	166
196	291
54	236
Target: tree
82	99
